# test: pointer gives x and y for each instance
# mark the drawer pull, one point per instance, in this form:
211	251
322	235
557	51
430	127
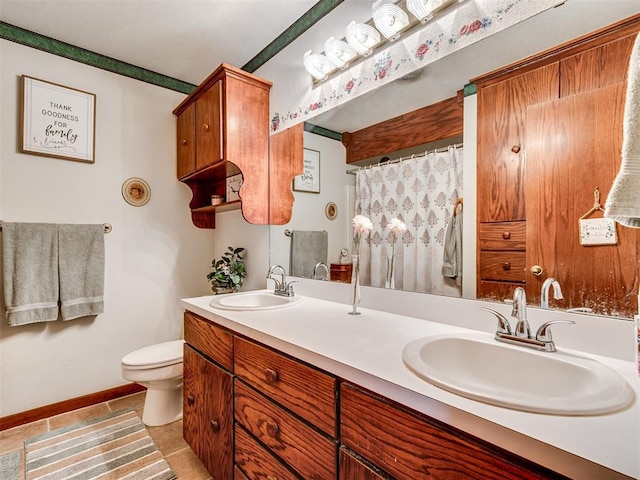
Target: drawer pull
215	425
272	428
506	266
205	127
515	148
191	400
184	142
271	376
506	235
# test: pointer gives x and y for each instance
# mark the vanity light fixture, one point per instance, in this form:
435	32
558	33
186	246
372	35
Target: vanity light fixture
339	52
424	10
362	37
390	19
318	65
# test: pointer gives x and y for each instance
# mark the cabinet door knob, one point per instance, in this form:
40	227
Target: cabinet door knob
506	235
537	270
270	375
191	400
506	266
215	425
272	428
205	127
184	142
515	148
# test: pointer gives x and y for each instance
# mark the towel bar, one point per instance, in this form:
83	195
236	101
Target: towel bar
107	226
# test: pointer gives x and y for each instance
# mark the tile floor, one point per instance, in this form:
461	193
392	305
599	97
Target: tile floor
168	437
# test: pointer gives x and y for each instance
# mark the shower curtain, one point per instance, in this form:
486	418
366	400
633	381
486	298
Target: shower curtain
421	192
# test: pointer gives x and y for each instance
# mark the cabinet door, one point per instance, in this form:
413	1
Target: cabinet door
209	144
576	144
186	151
208	414
501	149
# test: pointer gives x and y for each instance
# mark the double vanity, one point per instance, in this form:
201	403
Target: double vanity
309	391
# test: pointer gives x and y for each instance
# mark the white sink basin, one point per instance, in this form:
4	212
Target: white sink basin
479	367
253	301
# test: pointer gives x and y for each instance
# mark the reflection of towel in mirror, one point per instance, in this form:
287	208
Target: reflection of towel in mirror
308	248
81	264
623	201
30	258
452	259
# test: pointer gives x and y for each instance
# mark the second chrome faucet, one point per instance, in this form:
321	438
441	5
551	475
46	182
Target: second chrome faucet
521	335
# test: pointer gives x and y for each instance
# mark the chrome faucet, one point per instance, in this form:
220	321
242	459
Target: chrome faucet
317	267
544	294
282	288
521	335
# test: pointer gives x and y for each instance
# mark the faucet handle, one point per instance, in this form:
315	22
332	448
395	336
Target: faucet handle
503	323
289	287
544	332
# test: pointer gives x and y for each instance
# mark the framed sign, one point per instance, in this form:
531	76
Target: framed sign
598	231
57	121
309	181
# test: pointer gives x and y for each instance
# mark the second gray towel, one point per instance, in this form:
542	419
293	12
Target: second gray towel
81	265
307	249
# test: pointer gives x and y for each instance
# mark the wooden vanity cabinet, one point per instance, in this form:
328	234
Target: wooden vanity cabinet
354	467
410	446
208	396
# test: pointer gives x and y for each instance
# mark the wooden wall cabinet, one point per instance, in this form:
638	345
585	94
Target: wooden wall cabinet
559	112
222	130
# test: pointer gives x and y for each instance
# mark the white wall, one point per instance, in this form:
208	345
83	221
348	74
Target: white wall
154	255
309	208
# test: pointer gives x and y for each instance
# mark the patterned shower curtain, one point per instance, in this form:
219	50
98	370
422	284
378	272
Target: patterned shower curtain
422	193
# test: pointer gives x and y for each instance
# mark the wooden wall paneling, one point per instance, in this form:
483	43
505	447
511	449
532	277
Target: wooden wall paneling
576	149
501	111
286	150
428	124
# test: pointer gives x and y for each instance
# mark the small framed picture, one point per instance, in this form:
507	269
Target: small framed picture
309	181
57	121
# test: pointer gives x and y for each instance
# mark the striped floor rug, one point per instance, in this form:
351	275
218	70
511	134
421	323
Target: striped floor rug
116	446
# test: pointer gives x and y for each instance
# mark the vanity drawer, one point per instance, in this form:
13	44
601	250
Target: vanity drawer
255	461
307	392
504	266
307	451
502	236
411	446
209	339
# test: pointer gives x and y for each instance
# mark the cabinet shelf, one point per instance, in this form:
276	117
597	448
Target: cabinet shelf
221	207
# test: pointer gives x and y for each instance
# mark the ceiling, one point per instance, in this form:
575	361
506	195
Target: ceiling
188	39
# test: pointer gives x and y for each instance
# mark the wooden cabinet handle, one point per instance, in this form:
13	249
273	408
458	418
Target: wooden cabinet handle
271	376
506	266
215	425
272	428
184	142
205	127
515	148
191	400
506	235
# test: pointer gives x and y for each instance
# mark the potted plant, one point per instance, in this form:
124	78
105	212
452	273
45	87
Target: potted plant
228	272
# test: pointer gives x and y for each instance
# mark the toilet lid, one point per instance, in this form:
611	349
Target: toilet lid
158	355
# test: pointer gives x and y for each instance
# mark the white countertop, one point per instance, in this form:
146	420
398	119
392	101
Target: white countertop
367	349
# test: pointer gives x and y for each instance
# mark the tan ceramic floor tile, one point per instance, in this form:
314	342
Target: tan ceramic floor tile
168	438
187	466
79	415
13	438
135	401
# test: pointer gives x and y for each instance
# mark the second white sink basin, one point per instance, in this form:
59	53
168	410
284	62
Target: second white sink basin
253	301
479	367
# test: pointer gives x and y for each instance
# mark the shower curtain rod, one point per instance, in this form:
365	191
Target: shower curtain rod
398	160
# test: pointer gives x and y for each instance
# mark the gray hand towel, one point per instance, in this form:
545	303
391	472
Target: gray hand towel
30	260
81	267
308	248
452	261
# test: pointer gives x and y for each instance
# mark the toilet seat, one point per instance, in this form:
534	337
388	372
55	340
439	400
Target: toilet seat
155	356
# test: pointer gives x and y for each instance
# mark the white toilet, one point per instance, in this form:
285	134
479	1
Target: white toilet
159	368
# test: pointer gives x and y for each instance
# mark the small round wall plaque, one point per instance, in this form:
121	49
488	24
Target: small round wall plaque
136	191
331	211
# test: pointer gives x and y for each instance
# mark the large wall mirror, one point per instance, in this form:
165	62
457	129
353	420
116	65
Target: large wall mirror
328	212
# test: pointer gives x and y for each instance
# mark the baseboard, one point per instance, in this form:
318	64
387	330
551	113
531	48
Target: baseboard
39	413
